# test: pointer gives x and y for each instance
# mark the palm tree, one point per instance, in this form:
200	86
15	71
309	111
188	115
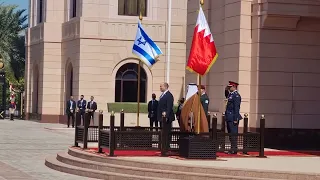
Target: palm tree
12	22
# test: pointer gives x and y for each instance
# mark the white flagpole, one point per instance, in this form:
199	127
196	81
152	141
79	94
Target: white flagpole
169	41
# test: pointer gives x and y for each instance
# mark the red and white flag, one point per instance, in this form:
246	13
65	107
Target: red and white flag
203	53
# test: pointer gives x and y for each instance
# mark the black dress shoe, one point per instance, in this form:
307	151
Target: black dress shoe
231	152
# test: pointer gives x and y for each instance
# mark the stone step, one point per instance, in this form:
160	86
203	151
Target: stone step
192	169
53	163
84	163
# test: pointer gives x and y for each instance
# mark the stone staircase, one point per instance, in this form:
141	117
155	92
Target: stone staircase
79	162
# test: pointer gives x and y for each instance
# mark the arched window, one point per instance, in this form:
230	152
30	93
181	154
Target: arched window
126	87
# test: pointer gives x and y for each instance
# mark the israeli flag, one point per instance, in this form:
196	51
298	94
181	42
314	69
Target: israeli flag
144	48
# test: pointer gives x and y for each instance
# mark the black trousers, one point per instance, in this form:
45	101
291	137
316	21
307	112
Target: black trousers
71	115
167	127
90	116
82	116
11	116
208	119
153	121
233	130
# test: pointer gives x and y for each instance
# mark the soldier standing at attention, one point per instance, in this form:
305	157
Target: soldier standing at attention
233	114
204	99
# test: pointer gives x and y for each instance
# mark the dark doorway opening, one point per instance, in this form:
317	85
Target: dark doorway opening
126	85
35	91
71	83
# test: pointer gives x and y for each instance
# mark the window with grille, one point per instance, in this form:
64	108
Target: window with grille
132	7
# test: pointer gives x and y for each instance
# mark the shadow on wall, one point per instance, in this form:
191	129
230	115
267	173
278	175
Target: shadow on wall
287	70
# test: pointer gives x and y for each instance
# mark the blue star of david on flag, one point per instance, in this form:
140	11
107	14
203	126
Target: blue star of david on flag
144	47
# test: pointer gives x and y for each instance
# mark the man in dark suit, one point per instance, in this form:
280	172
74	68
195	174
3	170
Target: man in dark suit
152	111
165	109
70	110
82	107
92	107
233	115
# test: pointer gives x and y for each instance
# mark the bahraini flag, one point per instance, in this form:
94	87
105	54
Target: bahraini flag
203	51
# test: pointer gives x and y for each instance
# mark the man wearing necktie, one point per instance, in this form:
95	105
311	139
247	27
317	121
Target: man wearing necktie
70	110
165	109
82	107
152	111
92	107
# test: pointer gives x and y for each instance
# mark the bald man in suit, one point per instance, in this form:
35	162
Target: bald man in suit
165	109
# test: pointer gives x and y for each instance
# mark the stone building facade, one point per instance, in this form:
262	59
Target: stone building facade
84	47
272	48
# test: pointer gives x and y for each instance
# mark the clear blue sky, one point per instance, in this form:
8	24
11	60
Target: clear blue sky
23	4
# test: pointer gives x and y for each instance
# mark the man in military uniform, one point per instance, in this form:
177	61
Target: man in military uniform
233	114
204	99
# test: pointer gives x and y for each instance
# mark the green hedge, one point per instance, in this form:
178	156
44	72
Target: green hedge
130	107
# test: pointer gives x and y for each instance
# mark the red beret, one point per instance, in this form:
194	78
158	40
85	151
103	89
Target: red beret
202	87
231	83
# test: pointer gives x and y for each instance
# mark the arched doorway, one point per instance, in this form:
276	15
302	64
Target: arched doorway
35	90
69	81
126	84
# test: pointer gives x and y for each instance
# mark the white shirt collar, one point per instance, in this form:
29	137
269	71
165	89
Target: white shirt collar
165	92
233	91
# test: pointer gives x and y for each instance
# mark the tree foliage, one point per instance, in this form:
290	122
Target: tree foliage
12	44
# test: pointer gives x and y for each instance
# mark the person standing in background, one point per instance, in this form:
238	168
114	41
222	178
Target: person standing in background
92	107
70	110
152	111
178	113
82	108
204	99
12	108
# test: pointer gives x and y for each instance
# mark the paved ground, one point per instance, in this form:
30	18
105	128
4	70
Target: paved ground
24	145
273	163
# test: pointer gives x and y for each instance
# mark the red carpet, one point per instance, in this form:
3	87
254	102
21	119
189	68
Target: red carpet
224	155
